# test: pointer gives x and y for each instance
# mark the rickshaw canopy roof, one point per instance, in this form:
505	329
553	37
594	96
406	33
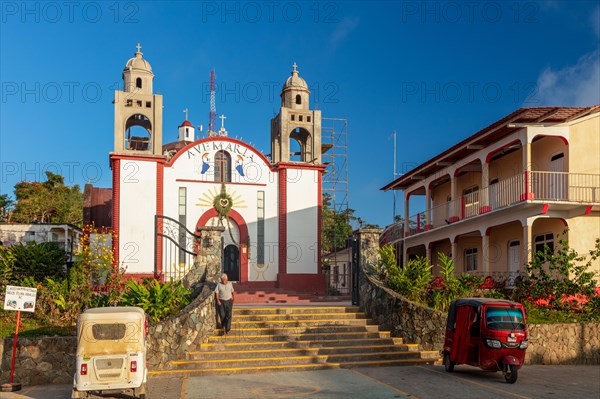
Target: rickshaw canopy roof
475	302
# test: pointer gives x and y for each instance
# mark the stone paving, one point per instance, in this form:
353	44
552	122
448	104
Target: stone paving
418	382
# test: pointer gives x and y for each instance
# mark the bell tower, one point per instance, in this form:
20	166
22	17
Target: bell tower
296	121
138	111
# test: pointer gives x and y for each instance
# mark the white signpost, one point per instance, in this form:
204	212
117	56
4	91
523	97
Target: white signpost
19	299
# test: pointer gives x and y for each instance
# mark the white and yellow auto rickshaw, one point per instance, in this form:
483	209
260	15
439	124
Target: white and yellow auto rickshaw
111	351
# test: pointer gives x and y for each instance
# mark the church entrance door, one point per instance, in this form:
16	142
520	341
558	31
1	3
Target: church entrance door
231	262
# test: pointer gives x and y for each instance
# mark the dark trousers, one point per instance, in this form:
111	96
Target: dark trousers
225	313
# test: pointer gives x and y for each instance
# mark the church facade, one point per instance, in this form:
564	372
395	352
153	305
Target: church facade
162	194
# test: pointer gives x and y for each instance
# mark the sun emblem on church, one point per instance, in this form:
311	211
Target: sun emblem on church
223	200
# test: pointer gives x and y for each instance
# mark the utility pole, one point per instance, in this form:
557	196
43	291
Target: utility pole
394	218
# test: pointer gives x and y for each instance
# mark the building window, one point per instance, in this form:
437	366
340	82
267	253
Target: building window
148	104
222	167
293	117
139	103
138	83
260	228
471	259
544	243
308	118
298	99
182	221
300	118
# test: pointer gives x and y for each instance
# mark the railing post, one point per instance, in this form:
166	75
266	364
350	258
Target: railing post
418	222
527	195
462	207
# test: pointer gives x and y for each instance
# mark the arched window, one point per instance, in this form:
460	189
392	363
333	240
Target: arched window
222	166
138	83
298	99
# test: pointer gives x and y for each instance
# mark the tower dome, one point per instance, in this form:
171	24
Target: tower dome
295	81
137	73
295	93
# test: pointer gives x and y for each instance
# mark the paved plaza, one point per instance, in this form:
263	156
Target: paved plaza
418	382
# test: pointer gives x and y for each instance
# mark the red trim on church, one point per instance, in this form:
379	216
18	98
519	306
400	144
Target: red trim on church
319	219
147	158
219	138
115	164
282	222
239	220
160	173
293	165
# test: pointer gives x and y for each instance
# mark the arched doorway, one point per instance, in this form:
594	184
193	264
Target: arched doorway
236	234
231	262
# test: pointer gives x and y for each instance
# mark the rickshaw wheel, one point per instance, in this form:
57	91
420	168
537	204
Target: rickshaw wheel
511	373
448	364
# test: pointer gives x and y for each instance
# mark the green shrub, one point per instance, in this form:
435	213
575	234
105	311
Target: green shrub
554	276
7	265
412	280
37	261
158	300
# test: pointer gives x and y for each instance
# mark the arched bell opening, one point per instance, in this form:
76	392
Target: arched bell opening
138	133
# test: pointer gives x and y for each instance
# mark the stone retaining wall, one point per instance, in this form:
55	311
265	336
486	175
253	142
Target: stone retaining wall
48	360
174	336
572	343
406	319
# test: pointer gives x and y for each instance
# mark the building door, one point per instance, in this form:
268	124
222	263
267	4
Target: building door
231	262
493	193
514	261
558	179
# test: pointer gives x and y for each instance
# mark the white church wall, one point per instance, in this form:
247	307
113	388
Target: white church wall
136	220
186	171
302	212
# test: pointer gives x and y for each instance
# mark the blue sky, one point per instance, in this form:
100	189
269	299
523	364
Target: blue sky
436	72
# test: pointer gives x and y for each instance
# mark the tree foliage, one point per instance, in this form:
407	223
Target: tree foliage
6	208
48	202
336	227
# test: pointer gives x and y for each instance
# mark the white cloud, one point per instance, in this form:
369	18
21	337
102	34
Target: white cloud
342	30
575	85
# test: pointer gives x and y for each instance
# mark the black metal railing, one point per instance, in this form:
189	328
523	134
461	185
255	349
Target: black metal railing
175	248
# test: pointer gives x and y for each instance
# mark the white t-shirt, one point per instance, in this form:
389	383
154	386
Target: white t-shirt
225	291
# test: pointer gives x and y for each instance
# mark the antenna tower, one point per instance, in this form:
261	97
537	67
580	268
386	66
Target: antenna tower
213	107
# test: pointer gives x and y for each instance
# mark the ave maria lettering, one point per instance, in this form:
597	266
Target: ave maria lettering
232	148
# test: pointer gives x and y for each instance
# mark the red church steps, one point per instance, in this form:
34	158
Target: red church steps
287	338
266	295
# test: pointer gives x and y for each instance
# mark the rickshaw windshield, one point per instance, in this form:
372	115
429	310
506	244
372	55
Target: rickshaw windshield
504	318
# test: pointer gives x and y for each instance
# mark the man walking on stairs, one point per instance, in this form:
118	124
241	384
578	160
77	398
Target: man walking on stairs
225	297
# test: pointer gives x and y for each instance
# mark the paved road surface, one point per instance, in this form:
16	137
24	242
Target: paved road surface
419	382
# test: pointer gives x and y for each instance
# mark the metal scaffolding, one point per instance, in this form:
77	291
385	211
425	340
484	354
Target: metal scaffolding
334	140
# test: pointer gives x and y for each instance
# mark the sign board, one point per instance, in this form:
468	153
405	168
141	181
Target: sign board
20	298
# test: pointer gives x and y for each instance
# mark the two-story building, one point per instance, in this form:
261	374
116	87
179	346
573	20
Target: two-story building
503	193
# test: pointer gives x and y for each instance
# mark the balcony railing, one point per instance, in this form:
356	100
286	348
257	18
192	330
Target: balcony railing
530	185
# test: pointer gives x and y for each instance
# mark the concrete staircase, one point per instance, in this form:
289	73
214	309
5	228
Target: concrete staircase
286	338
267	296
